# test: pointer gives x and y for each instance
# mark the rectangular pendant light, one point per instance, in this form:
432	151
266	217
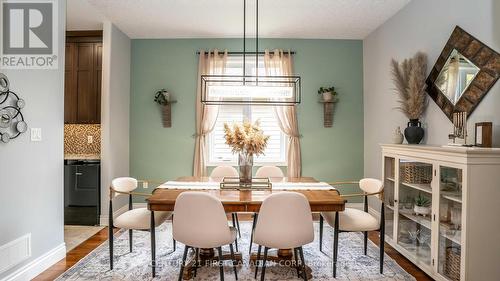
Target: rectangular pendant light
261	90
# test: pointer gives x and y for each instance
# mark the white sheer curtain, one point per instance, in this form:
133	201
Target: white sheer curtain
210	63
279	63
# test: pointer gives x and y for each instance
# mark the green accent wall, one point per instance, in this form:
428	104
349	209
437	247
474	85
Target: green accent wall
328	154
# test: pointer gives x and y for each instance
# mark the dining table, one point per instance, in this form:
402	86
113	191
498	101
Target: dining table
321	197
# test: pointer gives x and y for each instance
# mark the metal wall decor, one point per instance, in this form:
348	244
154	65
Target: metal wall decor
11	118
463	74
251	89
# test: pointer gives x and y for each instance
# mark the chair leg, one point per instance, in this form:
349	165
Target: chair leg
263	274
197	259
382	245
237	224
221	269
251	233
234	261
365	242
173	240
130	239
236	244
184	256
257	261
304	273
110	235
335	244
233	217
296	256
153	244
382	238
320	233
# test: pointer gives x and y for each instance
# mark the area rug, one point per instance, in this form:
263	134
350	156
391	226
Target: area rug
352	263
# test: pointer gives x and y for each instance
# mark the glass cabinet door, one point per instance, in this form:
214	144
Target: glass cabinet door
450	222
389	180
415	209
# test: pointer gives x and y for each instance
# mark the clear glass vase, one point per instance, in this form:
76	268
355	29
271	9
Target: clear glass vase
245	163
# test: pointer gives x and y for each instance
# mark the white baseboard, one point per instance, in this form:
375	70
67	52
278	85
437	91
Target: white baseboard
103	219
38	265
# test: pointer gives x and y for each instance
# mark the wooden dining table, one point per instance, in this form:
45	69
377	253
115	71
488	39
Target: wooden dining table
163	199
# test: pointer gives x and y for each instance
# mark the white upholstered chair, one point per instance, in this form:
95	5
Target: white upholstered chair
133	219
354	220
223	171
284	222
264	172
228	171
269	172
200	223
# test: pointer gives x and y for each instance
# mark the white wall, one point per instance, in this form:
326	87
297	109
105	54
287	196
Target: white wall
423	25
31	173
115	112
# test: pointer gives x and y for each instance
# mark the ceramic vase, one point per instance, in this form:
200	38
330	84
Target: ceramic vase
398	137
327	96
414	133
420	210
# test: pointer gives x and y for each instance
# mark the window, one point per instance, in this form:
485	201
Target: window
218	151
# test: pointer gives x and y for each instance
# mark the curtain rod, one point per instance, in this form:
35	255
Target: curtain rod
251	53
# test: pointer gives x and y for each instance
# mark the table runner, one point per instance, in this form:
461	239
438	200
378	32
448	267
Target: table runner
275	185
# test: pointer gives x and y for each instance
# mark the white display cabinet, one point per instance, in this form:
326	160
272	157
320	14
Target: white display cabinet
454	233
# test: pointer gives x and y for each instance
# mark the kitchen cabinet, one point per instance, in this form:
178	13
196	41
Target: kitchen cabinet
83	71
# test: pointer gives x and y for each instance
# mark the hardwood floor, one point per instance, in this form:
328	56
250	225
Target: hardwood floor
86	247
73	256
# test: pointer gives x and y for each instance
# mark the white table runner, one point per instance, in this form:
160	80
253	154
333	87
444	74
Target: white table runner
276	185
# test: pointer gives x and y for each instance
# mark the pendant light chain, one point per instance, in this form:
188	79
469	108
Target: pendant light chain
244	39
257	42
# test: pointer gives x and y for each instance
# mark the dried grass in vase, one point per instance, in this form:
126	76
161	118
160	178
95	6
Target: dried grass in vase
246	138
409	80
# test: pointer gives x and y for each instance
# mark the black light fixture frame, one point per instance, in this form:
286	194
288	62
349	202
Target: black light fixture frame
286	81
293	81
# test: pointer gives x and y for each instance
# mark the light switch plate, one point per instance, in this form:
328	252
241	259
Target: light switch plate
90	139
36	134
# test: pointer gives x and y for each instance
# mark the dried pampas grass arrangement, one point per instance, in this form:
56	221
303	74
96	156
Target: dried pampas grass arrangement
409	80
246	138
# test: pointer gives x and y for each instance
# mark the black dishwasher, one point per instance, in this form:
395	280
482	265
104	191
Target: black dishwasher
82	182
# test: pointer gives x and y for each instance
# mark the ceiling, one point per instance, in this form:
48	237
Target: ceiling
337	19
81	15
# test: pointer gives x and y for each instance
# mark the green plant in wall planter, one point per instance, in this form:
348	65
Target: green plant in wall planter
422	205
328	94
163	98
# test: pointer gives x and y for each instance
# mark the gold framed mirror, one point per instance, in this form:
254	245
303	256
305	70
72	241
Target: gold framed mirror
463	74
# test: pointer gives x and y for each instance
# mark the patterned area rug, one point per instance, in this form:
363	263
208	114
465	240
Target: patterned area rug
352	264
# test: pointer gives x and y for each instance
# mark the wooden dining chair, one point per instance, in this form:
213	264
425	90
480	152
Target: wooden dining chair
228	171
201	223
354	220
285	222
133	219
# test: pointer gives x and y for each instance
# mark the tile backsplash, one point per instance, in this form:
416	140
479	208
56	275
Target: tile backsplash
76	139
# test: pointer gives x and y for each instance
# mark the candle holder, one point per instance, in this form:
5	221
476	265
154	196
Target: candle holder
459	128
